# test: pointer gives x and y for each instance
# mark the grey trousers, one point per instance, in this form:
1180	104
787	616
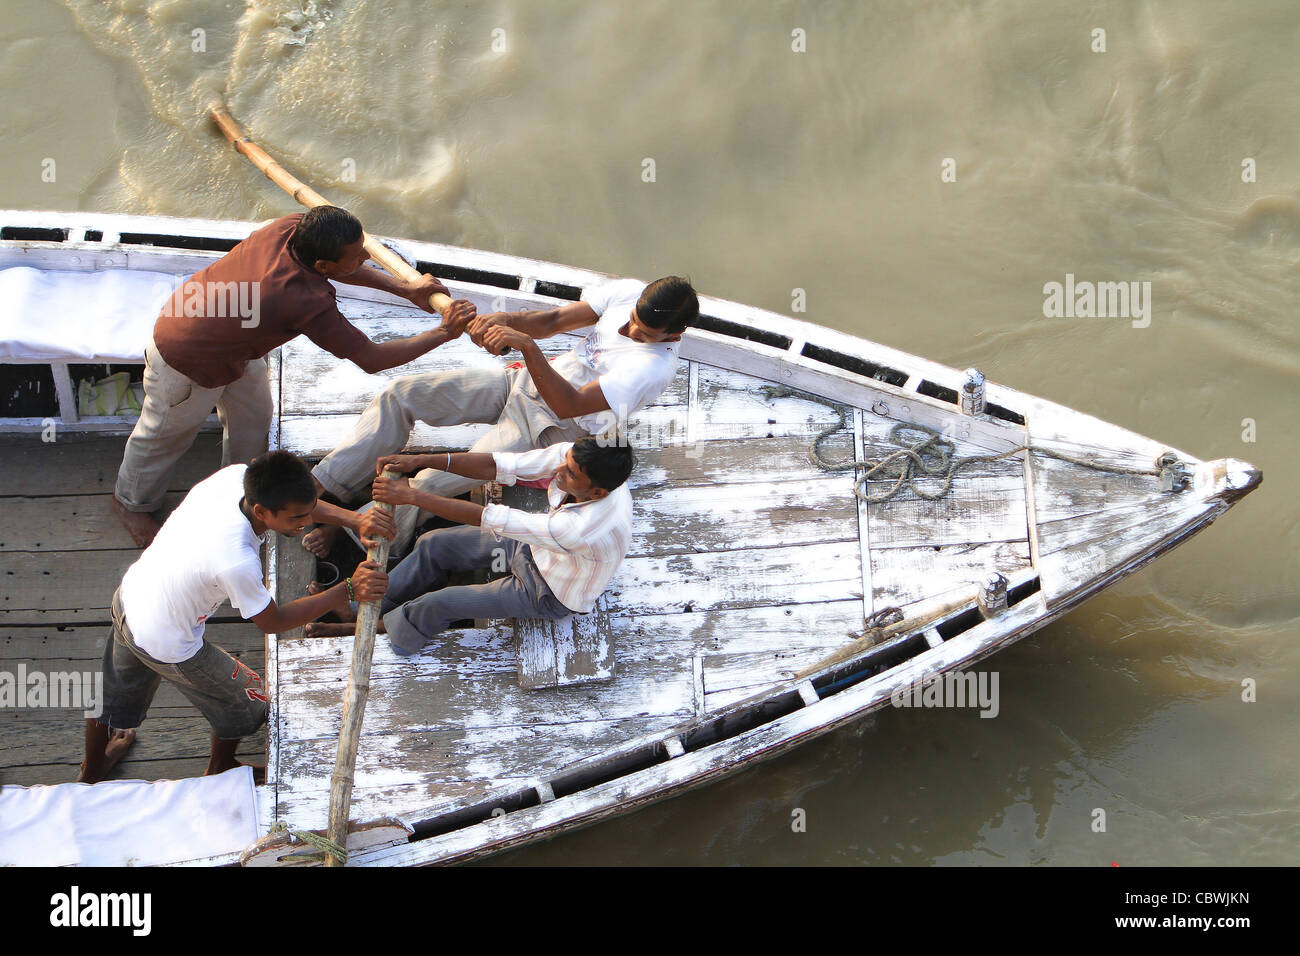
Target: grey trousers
418	605
228	693
506	398
174	409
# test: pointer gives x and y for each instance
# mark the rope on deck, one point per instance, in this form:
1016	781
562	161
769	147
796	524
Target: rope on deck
322	843
929	455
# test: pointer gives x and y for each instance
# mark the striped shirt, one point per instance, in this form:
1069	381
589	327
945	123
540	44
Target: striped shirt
577	547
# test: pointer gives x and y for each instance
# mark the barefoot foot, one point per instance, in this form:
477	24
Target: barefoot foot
320	539
141	526
259	770
326	629
119	742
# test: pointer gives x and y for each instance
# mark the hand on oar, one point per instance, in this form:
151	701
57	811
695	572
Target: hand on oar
405	464
500	339
458	316
376	523
369	582
481	325
391	491
420	290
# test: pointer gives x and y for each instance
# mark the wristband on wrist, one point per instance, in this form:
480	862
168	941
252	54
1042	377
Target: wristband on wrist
352	596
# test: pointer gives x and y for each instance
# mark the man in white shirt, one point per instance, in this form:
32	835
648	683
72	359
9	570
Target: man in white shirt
560	562
623	364
206	553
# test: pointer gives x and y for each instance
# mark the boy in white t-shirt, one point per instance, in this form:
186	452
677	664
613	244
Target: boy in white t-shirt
623	364
206	553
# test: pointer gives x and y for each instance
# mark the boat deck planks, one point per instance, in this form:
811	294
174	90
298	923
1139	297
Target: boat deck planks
578	649
717	583
746	566
673	519
63	554
67	523
1090	521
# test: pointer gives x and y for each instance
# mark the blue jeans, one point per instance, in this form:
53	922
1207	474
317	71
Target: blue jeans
419	606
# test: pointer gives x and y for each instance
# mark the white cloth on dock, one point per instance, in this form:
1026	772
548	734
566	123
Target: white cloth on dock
128	822
106	316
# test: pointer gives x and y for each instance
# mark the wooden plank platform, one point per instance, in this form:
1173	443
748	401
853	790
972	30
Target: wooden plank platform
578	649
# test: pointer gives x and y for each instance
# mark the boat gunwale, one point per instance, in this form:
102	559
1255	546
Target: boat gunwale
528	270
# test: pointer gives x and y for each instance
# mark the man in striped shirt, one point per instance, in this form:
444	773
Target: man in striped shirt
560	562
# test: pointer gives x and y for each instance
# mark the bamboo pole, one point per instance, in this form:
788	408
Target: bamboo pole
304	194
363	646
354	703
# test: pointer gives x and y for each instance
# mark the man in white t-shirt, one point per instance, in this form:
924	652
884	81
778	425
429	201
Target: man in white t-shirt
623	363
206	553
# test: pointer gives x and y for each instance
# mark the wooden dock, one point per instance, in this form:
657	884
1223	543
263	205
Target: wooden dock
62	554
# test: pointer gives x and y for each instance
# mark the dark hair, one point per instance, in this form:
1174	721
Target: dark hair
669	305
606	465
323	233
277	479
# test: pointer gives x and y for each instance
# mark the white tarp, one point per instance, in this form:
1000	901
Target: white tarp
128	822
48	316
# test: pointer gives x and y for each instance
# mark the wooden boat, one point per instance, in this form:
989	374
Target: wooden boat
735	629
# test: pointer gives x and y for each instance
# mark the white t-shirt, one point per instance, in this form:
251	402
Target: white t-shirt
631	374
205	554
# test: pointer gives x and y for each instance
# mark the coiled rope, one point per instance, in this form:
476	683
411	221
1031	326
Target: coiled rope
924	454
322	843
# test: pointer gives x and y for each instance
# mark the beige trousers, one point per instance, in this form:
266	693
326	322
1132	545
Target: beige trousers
174	410
507	398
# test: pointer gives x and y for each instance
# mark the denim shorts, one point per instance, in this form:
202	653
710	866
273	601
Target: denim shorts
229	694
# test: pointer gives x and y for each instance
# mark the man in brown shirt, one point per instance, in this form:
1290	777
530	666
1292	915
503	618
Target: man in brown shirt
211	339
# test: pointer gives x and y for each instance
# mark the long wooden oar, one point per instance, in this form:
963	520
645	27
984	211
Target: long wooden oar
304	194
363	645
354	702
923	615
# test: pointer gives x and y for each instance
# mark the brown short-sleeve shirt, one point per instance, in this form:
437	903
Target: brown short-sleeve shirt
253	299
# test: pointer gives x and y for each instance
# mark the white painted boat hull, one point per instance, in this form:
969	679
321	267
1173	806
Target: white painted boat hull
748	564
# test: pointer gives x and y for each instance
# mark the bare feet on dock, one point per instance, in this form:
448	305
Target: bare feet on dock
315	587
259	770
325	629
320	539
348	616
141	526
119	742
